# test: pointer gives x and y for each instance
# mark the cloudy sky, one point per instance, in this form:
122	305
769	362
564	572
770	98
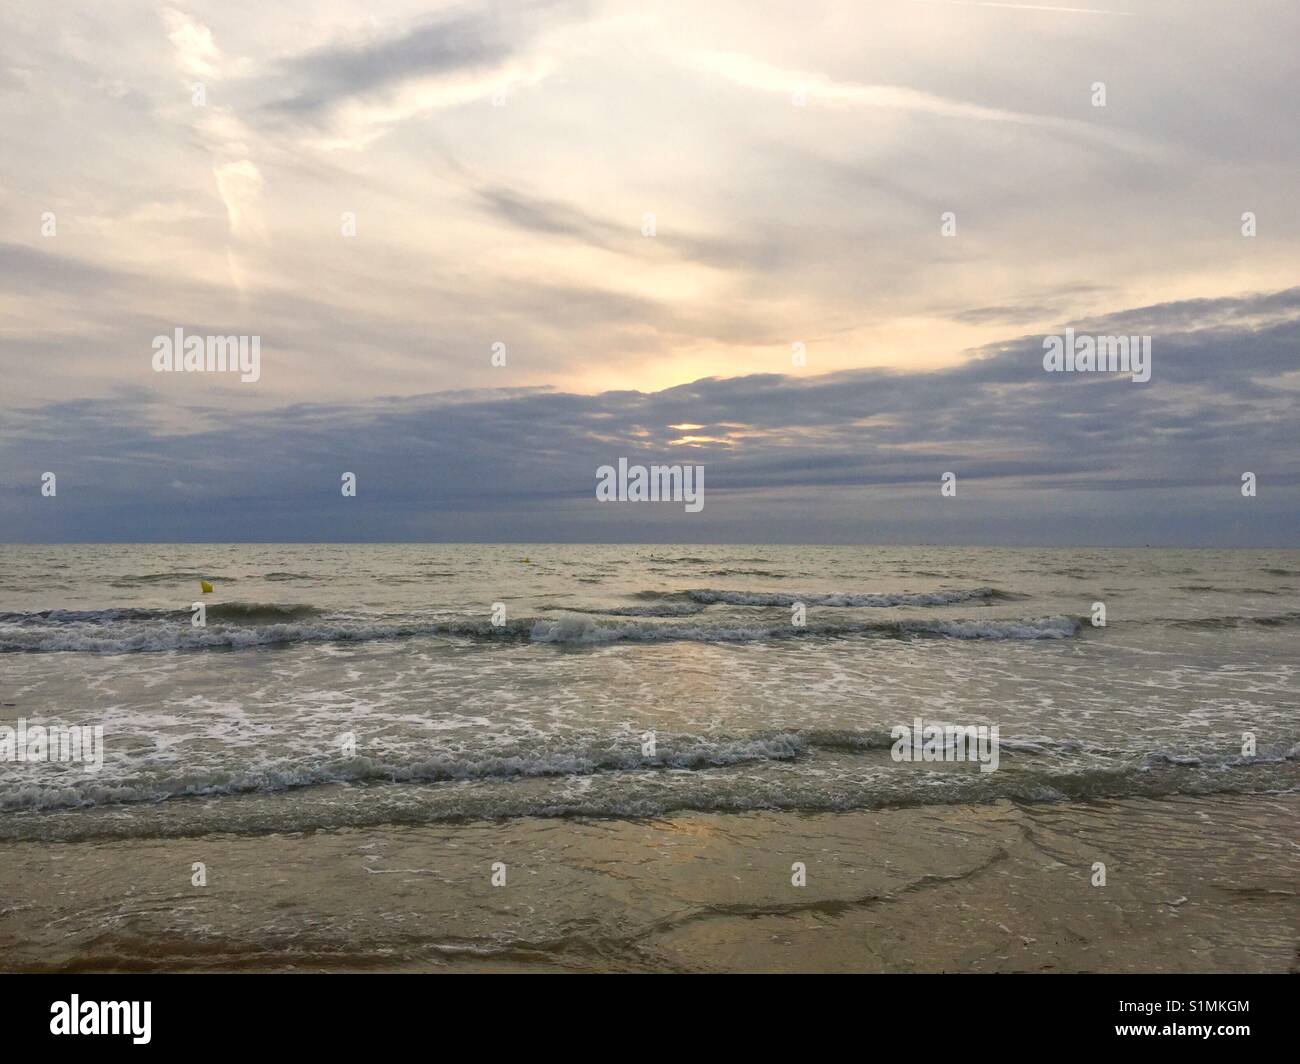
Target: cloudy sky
652	207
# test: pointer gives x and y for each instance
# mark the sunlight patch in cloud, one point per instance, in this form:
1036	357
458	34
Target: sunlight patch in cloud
195	51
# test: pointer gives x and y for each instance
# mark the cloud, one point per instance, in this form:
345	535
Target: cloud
552	217
450	44
359	86
240	187
753	73
520	224
826	458
555	218
196	52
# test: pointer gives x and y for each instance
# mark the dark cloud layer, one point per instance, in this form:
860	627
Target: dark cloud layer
852	456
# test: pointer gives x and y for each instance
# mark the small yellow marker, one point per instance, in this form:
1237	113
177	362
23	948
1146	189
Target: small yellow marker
207	588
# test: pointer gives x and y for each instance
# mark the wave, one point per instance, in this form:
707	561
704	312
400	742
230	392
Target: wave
131	631
145	579
1262	620
709	596
686	754
180	636
245	612
579	629
750	572
612	778
662	609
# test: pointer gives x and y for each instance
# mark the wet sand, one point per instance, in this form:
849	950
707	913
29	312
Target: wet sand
1205	884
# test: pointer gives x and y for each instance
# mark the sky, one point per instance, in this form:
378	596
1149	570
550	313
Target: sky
812	247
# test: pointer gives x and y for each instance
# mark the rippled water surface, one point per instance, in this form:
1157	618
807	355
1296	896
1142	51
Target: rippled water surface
243	725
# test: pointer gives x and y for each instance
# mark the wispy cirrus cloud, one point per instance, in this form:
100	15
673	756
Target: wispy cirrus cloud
521	224
817	89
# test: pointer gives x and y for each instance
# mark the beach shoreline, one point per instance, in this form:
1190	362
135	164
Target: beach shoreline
1192	884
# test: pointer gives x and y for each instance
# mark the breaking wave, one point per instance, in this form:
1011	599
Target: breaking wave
241	625
613	778
687	753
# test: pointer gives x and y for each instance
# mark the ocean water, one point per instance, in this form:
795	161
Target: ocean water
354	685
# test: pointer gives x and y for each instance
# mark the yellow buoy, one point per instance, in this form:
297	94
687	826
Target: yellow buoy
205	585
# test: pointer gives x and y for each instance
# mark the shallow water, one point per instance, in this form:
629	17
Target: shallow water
1194	884
360	685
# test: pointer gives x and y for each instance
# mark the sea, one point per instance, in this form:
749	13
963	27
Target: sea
336	686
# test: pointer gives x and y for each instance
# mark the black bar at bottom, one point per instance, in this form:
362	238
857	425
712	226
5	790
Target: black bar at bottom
366	1012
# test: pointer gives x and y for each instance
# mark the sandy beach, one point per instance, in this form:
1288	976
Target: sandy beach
1193	884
